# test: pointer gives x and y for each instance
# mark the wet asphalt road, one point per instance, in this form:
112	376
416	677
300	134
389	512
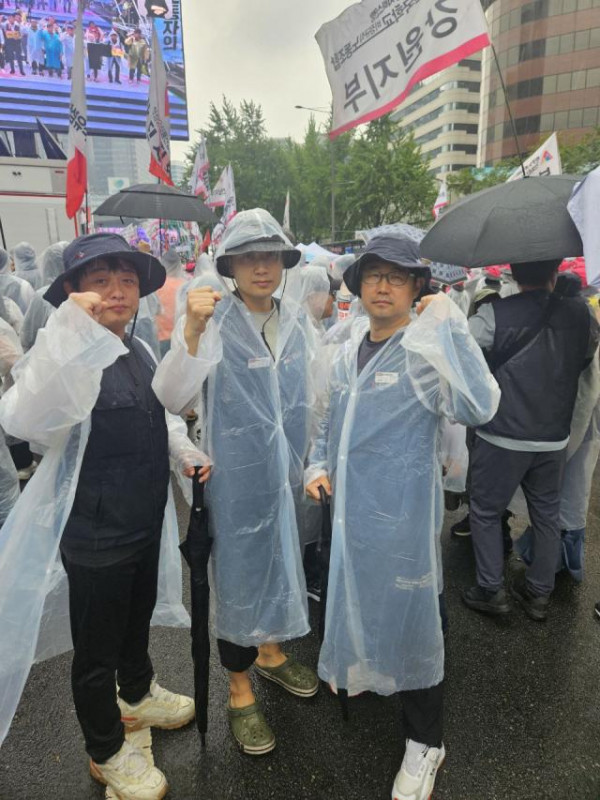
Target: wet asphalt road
522	714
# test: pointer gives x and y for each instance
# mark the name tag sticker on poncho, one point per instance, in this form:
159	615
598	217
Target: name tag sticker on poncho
259	363
386	378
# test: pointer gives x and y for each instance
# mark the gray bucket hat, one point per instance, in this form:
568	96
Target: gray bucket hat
254	231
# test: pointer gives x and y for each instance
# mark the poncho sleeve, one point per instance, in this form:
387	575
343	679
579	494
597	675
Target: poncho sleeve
58	381
447	367
178	380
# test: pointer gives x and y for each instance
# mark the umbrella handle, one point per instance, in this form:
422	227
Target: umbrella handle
197	491
324	497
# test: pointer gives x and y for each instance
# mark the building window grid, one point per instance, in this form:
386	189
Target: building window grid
545	123
549	84
539	9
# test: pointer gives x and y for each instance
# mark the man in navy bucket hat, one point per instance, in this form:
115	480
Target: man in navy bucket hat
84	395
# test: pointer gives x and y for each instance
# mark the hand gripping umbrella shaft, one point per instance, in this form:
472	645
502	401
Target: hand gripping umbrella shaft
196	551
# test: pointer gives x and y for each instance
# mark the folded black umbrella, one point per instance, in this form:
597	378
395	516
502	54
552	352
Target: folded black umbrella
156	201
324	556
523	220
196	551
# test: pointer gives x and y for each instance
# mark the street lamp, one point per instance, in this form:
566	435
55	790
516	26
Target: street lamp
332	157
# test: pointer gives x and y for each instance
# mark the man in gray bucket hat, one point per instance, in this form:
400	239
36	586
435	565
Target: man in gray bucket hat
249	357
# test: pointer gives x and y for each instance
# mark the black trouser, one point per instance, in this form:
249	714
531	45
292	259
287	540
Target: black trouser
133	71
110	609
423	715
496	474
114	65
236	658
423	708
13	52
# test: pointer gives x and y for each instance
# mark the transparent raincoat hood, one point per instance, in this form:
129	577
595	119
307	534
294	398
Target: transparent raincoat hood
314	288
39	311
379	443
4	261
251	231
26	264
171	261
51	262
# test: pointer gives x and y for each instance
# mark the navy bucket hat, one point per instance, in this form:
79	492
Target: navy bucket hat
87	249
399	252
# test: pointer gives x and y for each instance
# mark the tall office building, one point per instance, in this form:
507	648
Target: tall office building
114	163
549	53
443	114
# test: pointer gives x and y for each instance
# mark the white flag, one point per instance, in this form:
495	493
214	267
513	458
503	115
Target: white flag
286	214
545	161
218	195
158	131
376	51
442	200
229	205
199	181
77	151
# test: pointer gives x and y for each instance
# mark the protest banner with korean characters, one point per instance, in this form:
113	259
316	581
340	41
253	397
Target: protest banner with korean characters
545	161
377	50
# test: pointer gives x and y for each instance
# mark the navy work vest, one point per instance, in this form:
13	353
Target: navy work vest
539	383
123	484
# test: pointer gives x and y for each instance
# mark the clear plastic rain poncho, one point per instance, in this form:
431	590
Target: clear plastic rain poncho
10	352
18	290
26	266
11	313
582	451
56	386
314	288
39	311
256	426
379	445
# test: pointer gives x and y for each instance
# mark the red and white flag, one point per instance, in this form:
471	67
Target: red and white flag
218	196
229	206
376	52
442	200
77	155
158	131
199	181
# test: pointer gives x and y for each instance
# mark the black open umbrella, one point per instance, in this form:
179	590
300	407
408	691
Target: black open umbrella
156	201
324	556
523	220
196	551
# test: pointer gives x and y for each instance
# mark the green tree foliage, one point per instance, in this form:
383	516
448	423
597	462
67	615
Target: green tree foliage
577	159
379	175
386	179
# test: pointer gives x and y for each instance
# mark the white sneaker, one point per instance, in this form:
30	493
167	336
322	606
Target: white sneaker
416	777
159	709
130	776
26	473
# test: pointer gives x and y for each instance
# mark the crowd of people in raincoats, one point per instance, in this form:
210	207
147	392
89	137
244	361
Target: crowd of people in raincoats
352	387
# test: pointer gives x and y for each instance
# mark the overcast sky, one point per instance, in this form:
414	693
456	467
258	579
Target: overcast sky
261	50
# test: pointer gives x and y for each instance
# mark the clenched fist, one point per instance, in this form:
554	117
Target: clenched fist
201	305
90	302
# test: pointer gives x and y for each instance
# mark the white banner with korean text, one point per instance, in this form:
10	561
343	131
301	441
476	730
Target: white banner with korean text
545	161
377	50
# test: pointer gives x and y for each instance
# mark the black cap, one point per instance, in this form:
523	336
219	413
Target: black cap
86	249
401	252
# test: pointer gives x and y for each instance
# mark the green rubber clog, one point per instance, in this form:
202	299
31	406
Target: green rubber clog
251	730
294	677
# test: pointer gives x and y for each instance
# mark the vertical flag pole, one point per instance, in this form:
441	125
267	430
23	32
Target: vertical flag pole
508	108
